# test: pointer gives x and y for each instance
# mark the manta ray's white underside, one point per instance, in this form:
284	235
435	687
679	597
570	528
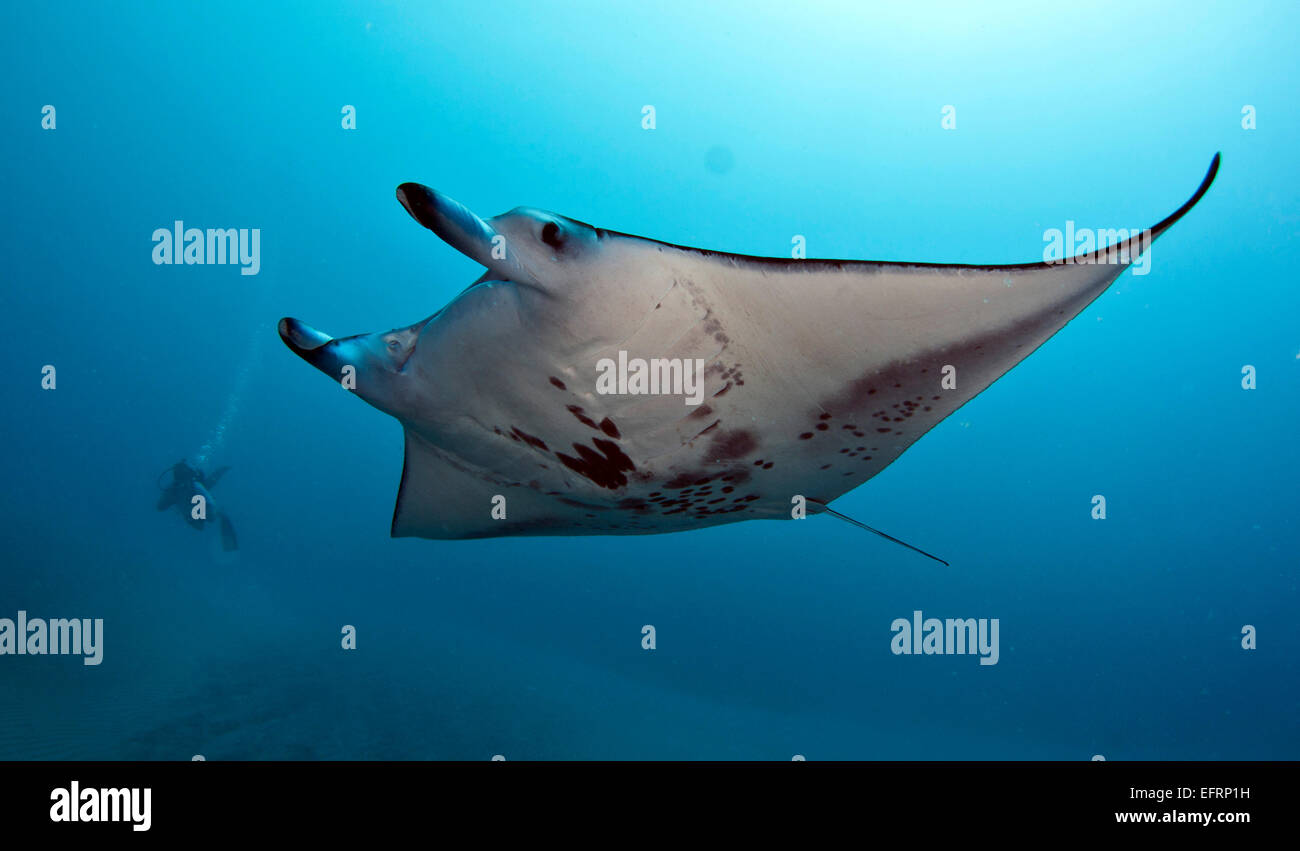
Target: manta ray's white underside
817	374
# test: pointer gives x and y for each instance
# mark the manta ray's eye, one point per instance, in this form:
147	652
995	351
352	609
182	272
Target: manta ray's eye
394	346
551	235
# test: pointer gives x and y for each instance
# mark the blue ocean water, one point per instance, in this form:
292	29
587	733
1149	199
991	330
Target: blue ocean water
1120	637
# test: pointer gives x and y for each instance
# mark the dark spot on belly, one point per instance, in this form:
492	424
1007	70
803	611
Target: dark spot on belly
700	413
822	426
681	480
768	465
532	441
824	416
807	435
607	426
883	430
730	445
558	383
605	468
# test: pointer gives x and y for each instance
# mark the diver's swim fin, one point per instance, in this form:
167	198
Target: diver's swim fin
228	541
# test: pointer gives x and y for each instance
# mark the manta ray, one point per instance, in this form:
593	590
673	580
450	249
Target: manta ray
816	374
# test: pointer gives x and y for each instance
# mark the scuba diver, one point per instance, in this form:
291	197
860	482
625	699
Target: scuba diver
188	482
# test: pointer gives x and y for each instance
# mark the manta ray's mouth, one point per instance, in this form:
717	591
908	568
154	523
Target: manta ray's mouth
301	338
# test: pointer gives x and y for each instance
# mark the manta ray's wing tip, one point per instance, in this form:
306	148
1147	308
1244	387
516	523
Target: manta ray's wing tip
1173	217
1211	171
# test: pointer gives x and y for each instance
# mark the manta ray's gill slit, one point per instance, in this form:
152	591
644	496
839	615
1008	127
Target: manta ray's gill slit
707	429
519	434
582	417
580	504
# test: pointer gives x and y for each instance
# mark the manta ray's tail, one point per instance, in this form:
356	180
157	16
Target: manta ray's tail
824	508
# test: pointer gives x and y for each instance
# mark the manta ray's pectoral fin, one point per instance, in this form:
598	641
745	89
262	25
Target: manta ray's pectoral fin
442	498
824	508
